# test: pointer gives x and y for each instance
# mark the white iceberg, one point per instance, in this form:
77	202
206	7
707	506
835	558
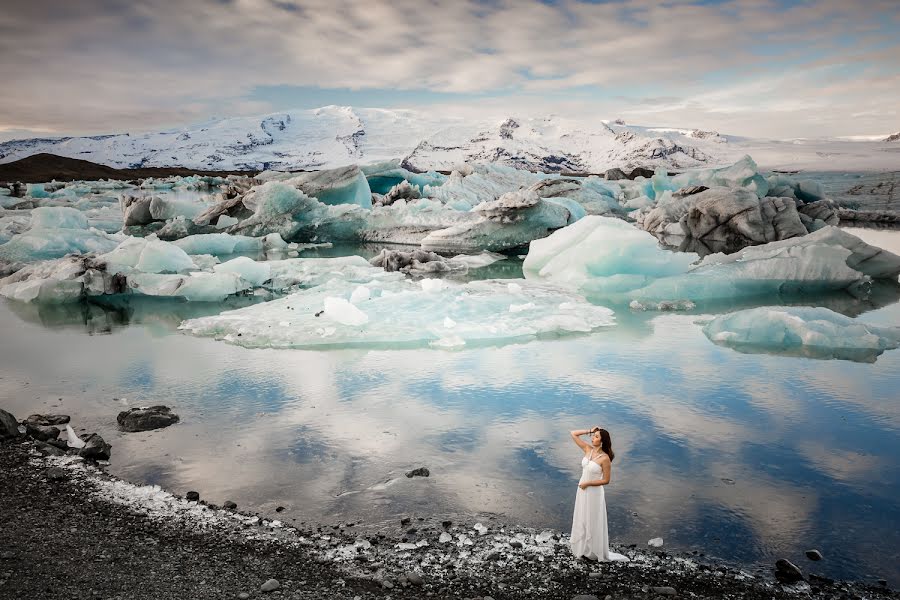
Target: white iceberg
612	260
813	332
401	313
251	271
219	244
58	217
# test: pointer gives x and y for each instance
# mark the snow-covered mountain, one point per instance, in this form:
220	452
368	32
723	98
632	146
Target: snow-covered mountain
332	136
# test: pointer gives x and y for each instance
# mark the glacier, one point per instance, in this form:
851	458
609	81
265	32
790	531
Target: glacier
399	313
812	332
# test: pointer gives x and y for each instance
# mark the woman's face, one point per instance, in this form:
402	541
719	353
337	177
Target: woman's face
595	437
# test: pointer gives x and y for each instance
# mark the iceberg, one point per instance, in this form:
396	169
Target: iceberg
383	176
396	312
614	261
220	244
50	243
251	271
812	332
511	221
346	185
148	256
58	217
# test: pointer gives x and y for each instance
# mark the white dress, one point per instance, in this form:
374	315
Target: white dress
590	537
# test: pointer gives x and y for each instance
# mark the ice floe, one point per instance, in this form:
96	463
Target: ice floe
395	312
813	332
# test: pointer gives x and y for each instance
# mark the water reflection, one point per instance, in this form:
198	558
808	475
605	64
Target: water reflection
741	456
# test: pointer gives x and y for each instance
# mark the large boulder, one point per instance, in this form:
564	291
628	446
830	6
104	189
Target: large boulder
739	218
146	418
9	426
45	420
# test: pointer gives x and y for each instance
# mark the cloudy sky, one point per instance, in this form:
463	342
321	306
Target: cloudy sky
779	68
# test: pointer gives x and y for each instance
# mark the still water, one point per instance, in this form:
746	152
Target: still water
748	457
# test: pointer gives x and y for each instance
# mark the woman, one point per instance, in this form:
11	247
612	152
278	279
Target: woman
590	537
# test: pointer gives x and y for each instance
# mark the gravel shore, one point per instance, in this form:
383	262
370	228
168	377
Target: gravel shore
69	530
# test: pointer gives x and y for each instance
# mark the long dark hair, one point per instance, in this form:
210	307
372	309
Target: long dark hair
606	443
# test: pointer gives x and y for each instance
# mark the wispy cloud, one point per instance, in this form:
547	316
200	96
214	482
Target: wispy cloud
736	65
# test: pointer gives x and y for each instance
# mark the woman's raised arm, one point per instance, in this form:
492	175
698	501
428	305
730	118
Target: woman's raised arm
581	443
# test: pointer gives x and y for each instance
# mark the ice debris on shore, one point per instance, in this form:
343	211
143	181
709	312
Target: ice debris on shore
395	312
812	332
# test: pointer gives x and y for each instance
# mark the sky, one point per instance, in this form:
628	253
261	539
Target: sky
766	68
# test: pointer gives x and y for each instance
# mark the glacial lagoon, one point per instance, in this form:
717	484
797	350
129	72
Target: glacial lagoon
744	456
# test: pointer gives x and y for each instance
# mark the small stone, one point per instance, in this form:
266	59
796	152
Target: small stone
515	544
57	474
195	497
95	448
414	578
8	555
446	524
229	505
882	582
813	555
405	521
420	472
664	591
786	571
655	542
243	596
386	584
270	586
585	597
279	509
595	575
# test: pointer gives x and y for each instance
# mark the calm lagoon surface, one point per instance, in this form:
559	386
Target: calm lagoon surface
748	457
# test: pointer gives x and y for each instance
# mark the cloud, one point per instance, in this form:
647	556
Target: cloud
144	64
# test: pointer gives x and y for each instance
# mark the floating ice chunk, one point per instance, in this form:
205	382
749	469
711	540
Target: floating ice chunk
655	542
513	220
251	271
612	260
432	285
360	294
514	308
219	244
72	439
163	209
476	261
479	309
603	249
36	190
47	244
58	217
345	185
162	257
449	323
273	241
802	331
195	287
343	312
